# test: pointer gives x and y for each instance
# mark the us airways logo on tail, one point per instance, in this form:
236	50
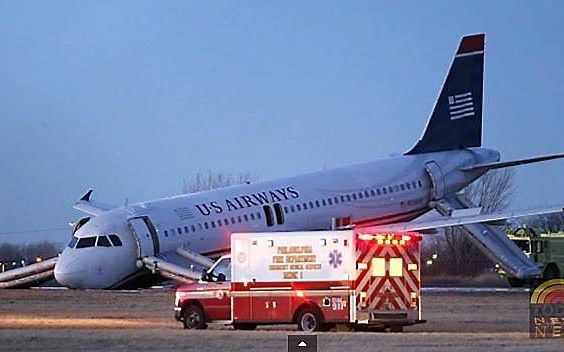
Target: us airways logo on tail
248	200
460	105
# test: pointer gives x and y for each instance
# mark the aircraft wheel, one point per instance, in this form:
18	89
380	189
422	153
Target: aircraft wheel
193	317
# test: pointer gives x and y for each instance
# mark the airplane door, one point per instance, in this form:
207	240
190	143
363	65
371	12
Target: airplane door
437	180
145	236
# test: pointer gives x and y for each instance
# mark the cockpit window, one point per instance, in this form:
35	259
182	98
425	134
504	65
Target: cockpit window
86	242
115	240
73	241
103	241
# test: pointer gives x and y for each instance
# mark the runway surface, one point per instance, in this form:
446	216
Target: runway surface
59	320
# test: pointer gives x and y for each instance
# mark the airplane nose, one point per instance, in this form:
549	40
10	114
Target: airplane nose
67	276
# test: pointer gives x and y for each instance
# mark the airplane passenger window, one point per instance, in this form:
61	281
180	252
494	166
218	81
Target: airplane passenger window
366	194
323	202
186	229
292	208
336	200
305	206
239	219
420	183
246	217
378	191
200	227
402	187
413	184
317	203
286	210
252	216
232	221
330	201
115	240
298	208
354	196
258	215
372	193
408	185
343	199
384	190
103	241
360	196
179	231
166	233
193	228
86	242
219	222
213	224
206	225
396	188
390	189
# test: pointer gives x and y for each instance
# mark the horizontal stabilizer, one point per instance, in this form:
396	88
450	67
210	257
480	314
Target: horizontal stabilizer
502	164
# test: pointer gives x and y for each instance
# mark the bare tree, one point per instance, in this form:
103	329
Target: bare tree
457	254
545	223
493	191
204	181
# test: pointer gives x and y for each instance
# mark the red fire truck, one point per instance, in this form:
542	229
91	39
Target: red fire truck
315	279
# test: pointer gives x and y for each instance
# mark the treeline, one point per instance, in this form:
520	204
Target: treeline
11	253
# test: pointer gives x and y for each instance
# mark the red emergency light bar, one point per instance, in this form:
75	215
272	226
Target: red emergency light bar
389	238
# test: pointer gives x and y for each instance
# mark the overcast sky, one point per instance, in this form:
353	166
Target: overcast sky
130	97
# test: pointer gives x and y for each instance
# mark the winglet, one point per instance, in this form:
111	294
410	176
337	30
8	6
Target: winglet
86	196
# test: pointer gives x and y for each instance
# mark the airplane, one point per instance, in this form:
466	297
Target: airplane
114	247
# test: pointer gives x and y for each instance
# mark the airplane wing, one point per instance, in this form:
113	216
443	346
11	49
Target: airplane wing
91	207
462	219
460	212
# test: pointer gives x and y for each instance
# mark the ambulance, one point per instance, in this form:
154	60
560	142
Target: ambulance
315	279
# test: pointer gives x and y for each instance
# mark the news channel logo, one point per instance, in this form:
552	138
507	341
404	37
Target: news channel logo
546	310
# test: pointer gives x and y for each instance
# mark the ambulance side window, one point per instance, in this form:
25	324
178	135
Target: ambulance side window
223	267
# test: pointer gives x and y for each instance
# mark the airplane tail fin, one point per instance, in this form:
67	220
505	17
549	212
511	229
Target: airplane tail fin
456	121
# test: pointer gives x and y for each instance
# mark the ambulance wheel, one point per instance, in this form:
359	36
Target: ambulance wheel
310	319
193	317
244	326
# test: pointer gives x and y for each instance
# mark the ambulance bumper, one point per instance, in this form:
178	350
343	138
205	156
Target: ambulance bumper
384	318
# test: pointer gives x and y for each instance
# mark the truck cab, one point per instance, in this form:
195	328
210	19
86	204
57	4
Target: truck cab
212	291
546	250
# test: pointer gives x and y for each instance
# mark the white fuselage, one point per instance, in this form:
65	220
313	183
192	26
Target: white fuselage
385	191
